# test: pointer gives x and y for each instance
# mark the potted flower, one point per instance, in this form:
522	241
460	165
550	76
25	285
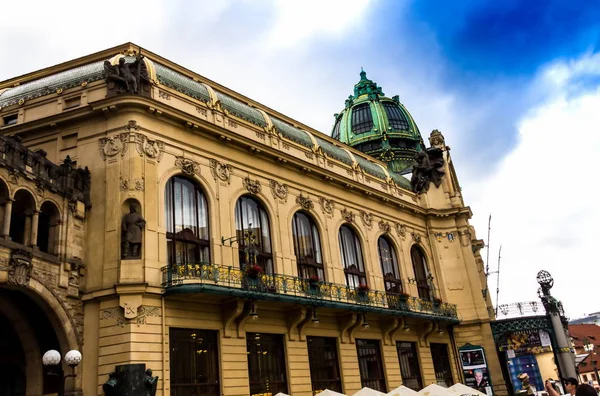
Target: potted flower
437	302
404	296
363	289
313	284
253	271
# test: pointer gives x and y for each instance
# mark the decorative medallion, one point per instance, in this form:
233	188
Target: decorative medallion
19	267
327	205
118	314
304	202
111	146
13	176
367	218
384	226
124	184
401	229
39	188
347	215
416	237
152	148
73	206
139	184
279	190
220	171
253	186
188	166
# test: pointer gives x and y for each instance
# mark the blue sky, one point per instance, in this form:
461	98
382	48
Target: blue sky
512	85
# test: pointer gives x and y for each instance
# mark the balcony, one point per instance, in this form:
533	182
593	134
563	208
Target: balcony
208	278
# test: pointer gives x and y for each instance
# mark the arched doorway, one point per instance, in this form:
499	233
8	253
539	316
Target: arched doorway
26	332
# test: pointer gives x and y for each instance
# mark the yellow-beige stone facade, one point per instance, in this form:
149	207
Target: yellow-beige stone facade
120	311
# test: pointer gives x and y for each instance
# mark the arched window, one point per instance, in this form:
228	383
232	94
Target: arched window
4	195
186	215
362	119
421	272
389	266
307	246
253	233
352	258
21	217
48	223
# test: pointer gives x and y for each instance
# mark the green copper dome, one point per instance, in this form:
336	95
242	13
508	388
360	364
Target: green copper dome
378	126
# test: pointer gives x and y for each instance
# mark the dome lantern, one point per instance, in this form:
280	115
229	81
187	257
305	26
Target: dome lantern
378	126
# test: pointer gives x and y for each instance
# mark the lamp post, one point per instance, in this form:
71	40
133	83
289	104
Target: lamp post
566	359
51	359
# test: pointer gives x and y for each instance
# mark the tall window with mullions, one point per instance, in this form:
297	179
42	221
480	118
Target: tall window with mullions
396	118
324	364
441	364
409	365
194	360
266	364
251	220
370	365
389	266
307	246
362	119
352	259
186	217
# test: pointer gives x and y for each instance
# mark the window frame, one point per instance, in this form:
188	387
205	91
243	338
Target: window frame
318	355
372	347
356	273
179	239
410	371
275	344
362	119
263	258
396	118
393	283
311	265
421	272
442	368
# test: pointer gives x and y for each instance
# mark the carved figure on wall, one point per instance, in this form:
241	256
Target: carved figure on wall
150	383
19	267
327	205
110	386
126	77
427	169
132	225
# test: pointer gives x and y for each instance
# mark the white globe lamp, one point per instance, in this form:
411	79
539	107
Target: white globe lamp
73	358
51	358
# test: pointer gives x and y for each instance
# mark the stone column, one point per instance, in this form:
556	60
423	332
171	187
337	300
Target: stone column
35	219
7	214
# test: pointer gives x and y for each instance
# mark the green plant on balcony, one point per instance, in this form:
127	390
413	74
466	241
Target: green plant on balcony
253	271
437	302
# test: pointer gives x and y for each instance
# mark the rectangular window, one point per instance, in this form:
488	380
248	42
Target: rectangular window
10	119
409	365
194	362
266	363
72	102
441	364
369	364
585	378
593	377
324	364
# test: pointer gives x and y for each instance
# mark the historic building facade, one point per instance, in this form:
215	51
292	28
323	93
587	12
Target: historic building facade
229	248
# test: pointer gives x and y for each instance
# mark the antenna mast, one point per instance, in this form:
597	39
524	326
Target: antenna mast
498	280
487	259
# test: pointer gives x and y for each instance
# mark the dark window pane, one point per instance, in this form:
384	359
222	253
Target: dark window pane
351	253
421	272
396	118
370	366
266	363
307	246
362	120
186	217
194	362
336	128
251	220
441	364
409	365
389	266
324	366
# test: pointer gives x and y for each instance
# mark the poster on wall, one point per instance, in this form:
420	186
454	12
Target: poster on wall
475	370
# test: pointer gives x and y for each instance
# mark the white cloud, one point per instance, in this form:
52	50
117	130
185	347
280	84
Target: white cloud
298	21
543	198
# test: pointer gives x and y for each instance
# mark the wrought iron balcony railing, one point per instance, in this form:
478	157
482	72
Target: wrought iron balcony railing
235	281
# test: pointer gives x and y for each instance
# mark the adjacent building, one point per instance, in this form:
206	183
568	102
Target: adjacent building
153	216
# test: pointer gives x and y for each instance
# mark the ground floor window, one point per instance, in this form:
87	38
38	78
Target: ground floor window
370	366
266	363
441	364
324	364
194	363
409	365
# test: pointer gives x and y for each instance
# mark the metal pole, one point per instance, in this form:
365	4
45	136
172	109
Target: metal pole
498	282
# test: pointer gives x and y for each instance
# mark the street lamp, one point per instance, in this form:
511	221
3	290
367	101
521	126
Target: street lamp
51	359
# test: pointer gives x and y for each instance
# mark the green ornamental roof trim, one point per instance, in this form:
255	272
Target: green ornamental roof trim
401	181
292	133
181	83
333	151
50	84
241	110
371	168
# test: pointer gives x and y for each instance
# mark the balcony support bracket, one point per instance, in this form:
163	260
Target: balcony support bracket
294	319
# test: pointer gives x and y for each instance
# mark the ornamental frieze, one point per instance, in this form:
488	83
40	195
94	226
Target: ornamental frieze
347	215
221	171
253	186
118	314
113	145
19	268
279	190
367	218
327	205
187	166
151	148
304	202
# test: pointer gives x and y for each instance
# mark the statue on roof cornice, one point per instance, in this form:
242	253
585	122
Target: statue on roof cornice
427	169
127	78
